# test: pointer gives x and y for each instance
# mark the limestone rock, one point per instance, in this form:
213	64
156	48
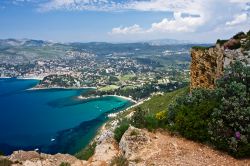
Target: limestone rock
137	145
208	64
32	158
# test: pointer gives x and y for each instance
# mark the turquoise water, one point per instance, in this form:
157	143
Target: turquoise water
51	120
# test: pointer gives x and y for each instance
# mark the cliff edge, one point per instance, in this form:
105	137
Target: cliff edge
208	63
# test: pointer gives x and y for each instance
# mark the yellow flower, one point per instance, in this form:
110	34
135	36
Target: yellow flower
161	115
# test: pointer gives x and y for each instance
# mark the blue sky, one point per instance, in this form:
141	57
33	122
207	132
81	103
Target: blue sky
123	20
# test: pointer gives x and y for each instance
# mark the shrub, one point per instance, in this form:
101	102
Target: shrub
121	129
239	35
161	115
200	48
144	119
5	162
134	133
138	118
64	164
1	153
248	33
87	152
221	42
190	114
230	122
119	161
247	44
220	116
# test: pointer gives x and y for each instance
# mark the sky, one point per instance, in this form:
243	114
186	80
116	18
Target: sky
123	20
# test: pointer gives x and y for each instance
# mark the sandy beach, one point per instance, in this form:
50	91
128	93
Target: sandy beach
123	97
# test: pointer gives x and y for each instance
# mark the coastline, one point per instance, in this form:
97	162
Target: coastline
5	77
24	78
122	97
30	78
114	115
58	87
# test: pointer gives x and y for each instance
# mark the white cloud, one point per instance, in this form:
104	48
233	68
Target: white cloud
200	15
239	1
238	19
134	29
178	24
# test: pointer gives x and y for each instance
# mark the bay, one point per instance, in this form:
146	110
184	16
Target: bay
51	120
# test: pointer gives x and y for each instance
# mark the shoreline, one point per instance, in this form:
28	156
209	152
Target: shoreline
24	78
30	78
94	97
114	115
122	97
57	87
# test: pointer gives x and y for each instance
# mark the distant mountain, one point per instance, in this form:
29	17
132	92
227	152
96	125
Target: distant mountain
24	42
161	42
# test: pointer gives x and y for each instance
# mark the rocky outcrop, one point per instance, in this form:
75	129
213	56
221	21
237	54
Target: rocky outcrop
208	64
32	158
137	145
140	147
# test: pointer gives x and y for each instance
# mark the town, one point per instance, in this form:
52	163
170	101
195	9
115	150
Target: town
81	68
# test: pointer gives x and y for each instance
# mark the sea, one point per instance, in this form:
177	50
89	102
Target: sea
50	120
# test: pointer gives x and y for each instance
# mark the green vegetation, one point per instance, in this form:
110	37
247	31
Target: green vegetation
151	114
127	77
190	114
230	122
200	48
219	117
221	42
119	161
109	88
239	35
137	92
5	162
248	33
64	164
87	152
120	130
1	153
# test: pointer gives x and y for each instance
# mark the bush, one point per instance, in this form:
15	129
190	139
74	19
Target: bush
138	118
64	164
121	129
221	42
119	161
230	122
248	33
87	152
190	114
239	35
143	119
200	48
220	116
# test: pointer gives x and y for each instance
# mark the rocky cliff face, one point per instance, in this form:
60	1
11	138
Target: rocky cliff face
208	64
